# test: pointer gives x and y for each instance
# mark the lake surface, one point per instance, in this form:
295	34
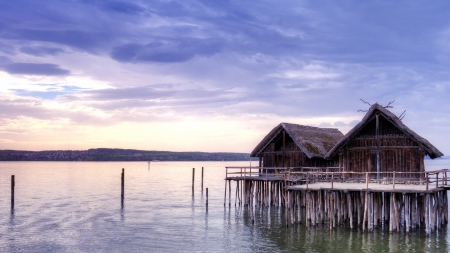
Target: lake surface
76	207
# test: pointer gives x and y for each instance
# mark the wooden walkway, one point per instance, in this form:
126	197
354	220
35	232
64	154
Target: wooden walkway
323	195
371	187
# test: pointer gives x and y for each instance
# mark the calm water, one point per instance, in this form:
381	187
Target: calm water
75	207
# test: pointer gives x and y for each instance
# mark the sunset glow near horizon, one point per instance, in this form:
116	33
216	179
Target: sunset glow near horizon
215	75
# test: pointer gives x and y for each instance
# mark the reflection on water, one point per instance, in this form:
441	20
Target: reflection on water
76	207
270	228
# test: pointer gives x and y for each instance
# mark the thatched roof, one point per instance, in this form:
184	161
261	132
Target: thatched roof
430	150
313	141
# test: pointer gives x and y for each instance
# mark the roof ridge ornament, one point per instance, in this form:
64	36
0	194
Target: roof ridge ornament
389	105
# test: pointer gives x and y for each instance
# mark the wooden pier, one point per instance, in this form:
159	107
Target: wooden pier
399	200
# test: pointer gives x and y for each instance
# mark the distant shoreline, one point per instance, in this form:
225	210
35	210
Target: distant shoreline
120	155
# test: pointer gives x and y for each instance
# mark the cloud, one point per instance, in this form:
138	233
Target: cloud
48	91
86	40
166	50
41	51
44	69
37	108
147	99
4	60
340	123
124	7
7	49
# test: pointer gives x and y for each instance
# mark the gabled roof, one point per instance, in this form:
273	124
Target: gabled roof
430	150
313	141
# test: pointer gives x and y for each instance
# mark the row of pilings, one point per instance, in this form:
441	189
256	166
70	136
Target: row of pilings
369	210
362	209
261	193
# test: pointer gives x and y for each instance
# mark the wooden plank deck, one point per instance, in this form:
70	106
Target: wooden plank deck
372	187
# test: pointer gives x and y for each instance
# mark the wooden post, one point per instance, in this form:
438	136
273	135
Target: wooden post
350	210
426	179
307	179
237	193
287	209
437	179
193	176
407	213
444	177
393	180
229	193
391	213
370	215
427	213
367	180
396	212
202	180
225	197
366	205
378	146
332	177
13	184
206	196
242	191
122	195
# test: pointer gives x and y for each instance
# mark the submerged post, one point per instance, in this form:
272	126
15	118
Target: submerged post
225	197
13	183
206	196
202	180
193	176
122	195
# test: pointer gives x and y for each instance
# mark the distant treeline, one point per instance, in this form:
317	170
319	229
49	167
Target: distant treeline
107	154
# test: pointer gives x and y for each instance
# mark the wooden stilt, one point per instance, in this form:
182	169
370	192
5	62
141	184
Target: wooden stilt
396	212
225	192
299	208
407	213
391	213
236	195
206	196
366	203
193	176
427	214
13	184
350	212
122	192
370	213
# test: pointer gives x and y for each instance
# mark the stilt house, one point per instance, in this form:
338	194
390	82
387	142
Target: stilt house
292	145
381	143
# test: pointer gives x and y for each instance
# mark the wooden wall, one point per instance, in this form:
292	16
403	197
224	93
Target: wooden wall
398	152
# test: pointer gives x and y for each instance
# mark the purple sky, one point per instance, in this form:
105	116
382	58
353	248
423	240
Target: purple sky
215	75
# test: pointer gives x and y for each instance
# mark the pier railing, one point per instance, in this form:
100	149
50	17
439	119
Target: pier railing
308	175
273	172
